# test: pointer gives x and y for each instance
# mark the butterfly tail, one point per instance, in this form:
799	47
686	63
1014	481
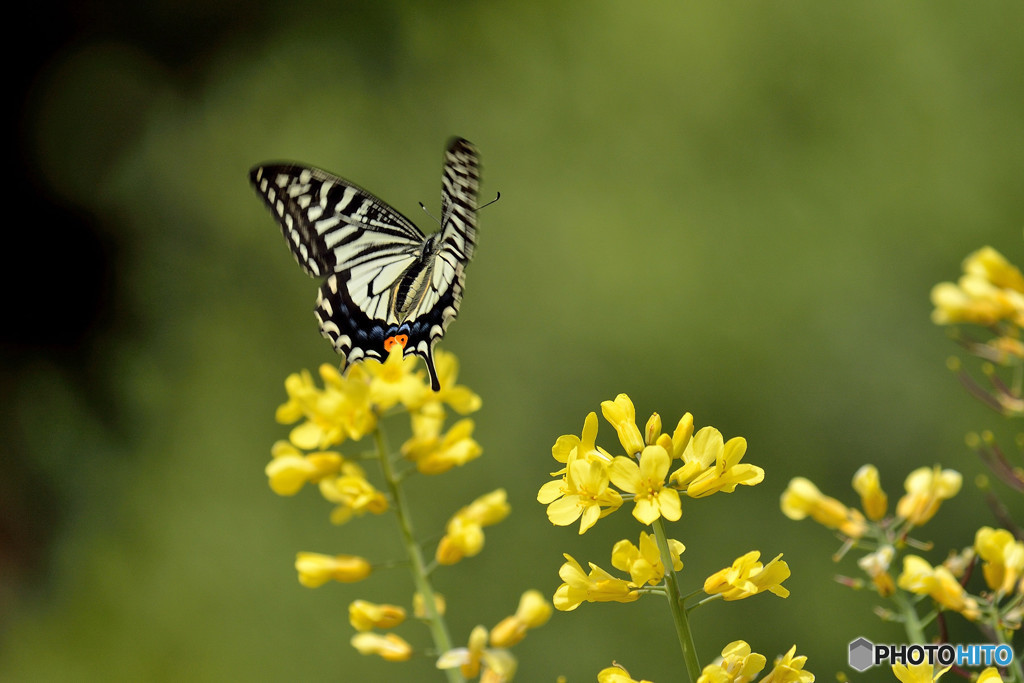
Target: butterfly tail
428	358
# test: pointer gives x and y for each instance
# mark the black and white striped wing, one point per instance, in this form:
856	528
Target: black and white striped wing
460	185
385	282
328	221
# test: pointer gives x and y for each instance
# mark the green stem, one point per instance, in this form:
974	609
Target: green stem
420	575
911	621
1015	667
675	604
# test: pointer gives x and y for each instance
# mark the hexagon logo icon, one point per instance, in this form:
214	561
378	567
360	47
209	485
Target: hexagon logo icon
862	654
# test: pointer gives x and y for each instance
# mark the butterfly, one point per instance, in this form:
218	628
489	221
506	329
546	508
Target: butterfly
386	283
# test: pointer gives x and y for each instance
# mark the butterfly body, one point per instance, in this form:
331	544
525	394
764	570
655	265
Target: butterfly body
386	283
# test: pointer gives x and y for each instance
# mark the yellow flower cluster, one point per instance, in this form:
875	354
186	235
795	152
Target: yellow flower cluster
990	291
927	673
920	578
990	294
496	664
1003	560
1001	554
349	407
655	470
926	488
747	577
593	483
464	536
643	563
739	664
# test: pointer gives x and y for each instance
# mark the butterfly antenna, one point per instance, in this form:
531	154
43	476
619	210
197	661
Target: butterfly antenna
427	211
496	198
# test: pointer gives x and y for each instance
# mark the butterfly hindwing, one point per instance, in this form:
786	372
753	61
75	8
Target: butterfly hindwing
460	185
385	281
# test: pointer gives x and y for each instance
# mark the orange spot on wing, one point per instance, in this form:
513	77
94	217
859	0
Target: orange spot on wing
400	339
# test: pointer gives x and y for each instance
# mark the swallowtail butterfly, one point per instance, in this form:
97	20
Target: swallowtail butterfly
386	282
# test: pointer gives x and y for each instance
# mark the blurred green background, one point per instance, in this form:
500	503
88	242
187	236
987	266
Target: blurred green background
734	209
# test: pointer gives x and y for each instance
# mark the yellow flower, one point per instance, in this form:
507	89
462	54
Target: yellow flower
466	658
533	611
873	500
461	399
396	380
498	664
652	431
921	578
991	290
617	674
345	401
697	452
738	665
464	535
621	414
802	499
366	616
917	673
289	471
316	569
709	463
1003	556
488	509
338	411
598	586
353	494
461	540
582	493
990	675
434	454
644	562
789	669
682	435
428	419
876	566
389	647
993	266
747	577
570	446
646	481
926	489
727	472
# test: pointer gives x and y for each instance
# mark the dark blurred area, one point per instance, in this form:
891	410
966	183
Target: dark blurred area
57	320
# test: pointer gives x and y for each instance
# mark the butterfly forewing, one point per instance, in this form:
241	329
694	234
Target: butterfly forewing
326	219
385	281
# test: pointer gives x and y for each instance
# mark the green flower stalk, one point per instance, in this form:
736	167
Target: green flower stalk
675	603
420	575
349	408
